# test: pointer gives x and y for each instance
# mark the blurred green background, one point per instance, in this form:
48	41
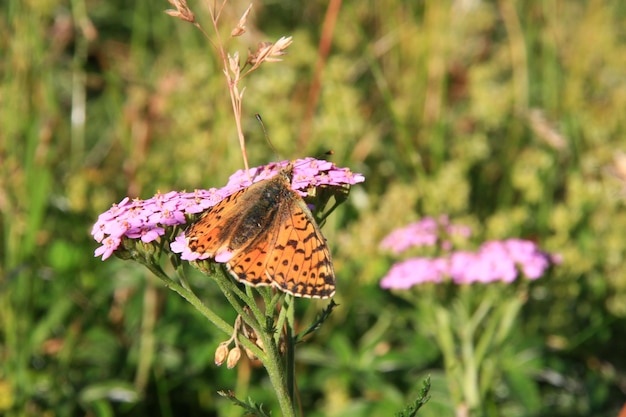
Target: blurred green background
507	115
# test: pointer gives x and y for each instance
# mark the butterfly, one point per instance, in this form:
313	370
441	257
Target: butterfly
266	235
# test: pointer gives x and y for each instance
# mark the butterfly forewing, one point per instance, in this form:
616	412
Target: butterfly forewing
272	236
210	232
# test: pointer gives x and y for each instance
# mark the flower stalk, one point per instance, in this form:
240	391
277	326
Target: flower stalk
146	230
473	299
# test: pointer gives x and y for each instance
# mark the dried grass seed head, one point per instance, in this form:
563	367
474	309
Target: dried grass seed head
269	52
182	11
240	29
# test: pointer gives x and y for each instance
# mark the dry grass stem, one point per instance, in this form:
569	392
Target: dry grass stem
266	52
545	131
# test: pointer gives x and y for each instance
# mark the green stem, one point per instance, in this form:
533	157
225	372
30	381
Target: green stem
276	372
444	333
269	356
470	368
190	297
473	318
280	321
290	348
231	292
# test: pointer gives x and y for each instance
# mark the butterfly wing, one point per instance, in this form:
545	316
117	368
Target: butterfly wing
242	225
210	233
234	222
249	265
300	262
273	239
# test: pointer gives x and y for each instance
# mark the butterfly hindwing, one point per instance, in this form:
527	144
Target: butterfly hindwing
249	265
301	262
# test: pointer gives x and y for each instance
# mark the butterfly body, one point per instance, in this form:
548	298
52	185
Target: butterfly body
266	235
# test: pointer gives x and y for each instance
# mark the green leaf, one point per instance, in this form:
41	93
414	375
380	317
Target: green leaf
422	398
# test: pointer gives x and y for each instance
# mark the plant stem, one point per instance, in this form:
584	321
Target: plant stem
190	297
275	370
291	348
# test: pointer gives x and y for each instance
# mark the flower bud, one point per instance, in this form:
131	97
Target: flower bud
233	357
220	353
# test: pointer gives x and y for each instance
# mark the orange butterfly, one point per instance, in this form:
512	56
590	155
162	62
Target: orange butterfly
266	235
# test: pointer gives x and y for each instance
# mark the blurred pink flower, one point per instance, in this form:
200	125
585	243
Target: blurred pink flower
426	232
147	219
494	261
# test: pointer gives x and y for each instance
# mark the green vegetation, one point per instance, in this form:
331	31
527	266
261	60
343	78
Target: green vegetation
506	116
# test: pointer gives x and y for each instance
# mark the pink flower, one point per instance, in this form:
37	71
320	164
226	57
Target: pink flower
109	245
421	233
494	261
404	275
147	219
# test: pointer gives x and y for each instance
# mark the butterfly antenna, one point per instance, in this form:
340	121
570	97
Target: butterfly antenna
267	137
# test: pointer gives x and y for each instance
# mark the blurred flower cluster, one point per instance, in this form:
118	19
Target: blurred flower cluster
471	324
497	260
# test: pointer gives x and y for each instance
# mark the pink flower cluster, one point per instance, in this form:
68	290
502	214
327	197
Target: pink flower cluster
147	219
426	232
494	261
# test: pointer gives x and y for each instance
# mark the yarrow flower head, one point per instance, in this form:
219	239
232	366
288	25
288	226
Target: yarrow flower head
415	271
494	261
147	220
426	232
